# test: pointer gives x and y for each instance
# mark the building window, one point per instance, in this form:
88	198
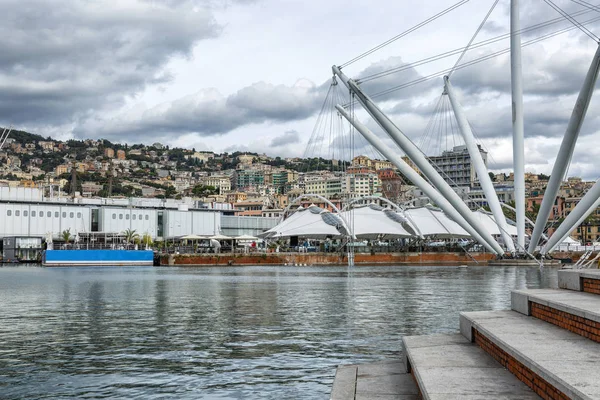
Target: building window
8	213
127	217
133	217
55	214
140	217
71	215
78	215
25	213
120	216
33	213
64	214
114	216
17	213
147	218
49	214
95	220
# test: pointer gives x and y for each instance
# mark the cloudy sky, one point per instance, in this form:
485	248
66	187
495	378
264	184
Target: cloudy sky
228	75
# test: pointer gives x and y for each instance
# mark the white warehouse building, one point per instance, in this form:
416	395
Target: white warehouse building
33	216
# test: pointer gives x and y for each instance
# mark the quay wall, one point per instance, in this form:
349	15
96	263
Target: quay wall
323	259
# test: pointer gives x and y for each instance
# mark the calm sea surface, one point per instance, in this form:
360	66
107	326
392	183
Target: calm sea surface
224	333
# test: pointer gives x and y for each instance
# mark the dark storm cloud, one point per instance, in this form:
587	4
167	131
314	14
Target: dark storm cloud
289	137
66	60
209	113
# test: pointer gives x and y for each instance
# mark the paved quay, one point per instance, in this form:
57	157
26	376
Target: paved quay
383	380
546	346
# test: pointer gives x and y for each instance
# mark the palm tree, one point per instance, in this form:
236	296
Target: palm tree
147	240
66	236
130	235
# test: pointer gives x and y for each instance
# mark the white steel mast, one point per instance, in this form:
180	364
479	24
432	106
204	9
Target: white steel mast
415	154
516	73
480	167
414	177
566	150
585	207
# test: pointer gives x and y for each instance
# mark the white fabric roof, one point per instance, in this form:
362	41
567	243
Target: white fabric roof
369	223
433	222
570	240
305	223
489	223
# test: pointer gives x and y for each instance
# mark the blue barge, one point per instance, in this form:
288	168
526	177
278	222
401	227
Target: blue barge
72	258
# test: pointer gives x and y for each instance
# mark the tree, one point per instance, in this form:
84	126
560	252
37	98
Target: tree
204	190
147	240
130	235
66	235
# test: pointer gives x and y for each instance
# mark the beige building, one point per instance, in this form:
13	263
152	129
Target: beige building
203	156
246	159
236	197
361	184
120	154
108	152
61	169
222	182
325	186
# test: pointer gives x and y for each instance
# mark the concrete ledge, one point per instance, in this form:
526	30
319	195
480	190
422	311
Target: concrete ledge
450	367
519	302
557	357
466	329
374	381
584	305
569	279
344	383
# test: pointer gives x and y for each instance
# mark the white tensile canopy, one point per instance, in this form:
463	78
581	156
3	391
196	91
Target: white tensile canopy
192	237
245	237
371	222
220	237
570	240
433	222
311	222
489	223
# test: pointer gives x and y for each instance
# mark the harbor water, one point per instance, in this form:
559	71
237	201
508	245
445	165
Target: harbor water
224	333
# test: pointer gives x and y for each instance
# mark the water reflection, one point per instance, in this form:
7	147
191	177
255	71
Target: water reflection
257	332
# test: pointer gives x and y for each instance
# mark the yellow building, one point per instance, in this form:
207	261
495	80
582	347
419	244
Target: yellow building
236	197
27	183
61	169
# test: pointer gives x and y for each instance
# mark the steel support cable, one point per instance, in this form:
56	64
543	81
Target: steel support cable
426	137
475	61
472	62
572	20
423	137
472	47
586	4
406	32
474	36
317	124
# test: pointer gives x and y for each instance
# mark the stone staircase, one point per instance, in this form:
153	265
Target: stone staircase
547	346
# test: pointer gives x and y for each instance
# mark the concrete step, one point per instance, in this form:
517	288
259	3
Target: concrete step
384	380
554	362
575	311
580	280
450	367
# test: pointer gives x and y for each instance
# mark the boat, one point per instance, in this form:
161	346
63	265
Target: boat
107	257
